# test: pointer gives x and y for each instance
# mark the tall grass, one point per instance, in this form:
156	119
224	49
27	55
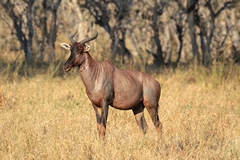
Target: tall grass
50	117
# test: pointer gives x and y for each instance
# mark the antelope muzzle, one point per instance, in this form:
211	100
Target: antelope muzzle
67	67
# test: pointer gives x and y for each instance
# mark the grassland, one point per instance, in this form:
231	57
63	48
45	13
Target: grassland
51	118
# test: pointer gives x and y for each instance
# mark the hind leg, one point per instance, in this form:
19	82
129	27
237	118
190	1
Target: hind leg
140	119
152	109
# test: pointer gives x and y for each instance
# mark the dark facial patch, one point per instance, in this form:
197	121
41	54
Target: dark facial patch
73	54
76	48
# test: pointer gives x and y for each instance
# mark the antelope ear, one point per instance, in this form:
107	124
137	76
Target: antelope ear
66	46
87	48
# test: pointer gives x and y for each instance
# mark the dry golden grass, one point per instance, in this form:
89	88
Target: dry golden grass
51	118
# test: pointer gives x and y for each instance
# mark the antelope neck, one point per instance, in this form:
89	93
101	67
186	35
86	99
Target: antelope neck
89	71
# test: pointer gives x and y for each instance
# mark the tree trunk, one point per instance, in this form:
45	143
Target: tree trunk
158	58
53	30
191	25
30	32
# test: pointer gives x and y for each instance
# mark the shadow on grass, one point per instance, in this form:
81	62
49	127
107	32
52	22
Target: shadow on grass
15	70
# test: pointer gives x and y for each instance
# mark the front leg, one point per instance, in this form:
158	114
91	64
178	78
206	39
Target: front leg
101	116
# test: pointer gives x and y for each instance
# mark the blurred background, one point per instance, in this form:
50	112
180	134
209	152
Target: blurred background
192	47
147	35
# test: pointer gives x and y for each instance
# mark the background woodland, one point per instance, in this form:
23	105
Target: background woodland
145	34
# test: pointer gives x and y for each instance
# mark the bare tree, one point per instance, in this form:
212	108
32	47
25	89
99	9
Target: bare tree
113	17
196	19
179	18
154	10
48	27
25	18
24	31
206	45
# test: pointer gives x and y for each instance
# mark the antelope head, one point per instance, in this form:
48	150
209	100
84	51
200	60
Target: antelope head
77	51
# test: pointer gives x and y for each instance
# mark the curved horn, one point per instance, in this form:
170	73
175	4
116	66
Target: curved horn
71	37
89	39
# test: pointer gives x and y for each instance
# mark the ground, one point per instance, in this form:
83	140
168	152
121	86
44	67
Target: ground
51	118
